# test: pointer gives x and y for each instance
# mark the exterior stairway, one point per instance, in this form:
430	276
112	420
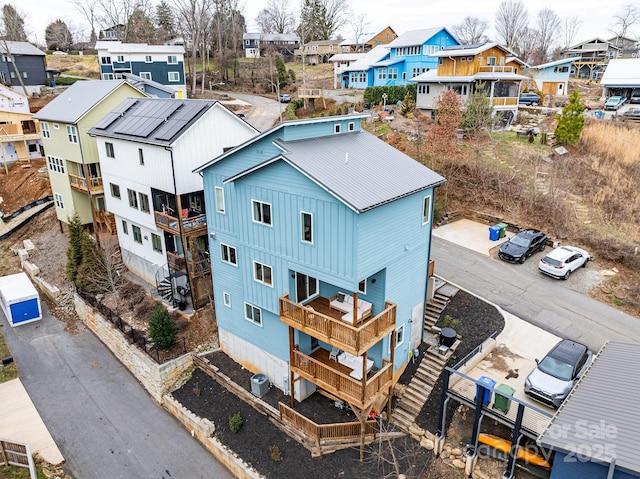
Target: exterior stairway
435	307
165	290
421	385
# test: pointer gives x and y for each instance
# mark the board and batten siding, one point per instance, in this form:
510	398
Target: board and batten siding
305	130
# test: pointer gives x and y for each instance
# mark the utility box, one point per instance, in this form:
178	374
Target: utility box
19	299
259	384
500	400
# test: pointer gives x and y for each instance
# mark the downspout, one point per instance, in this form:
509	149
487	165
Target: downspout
93	216
455	65
426	290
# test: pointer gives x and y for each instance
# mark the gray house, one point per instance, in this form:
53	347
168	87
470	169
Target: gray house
29	62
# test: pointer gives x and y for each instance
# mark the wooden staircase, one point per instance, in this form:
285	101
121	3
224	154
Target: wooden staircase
435	307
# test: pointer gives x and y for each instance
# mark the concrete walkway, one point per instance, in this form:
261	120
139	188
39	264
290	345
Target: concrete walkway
20	422
468	234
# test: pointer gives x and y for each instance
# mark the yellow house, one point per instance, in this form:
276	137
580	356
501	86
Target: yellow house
20	137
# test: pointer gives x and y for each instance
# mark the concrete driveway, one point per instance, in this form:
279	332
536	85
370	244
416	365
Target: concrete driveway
104	423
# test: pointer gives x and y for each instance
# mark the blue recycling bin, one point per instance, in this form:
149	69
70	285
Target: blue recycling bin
494	232
486	382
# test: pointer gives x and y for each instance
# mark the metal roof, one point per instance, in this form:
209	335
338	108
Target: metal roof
346	57
366	35
415	37
464	51
136	81
21	48
359	169
432	77
562	61
389	61
272	37
119	47
159	121
599	420
368	59
77	100
622	72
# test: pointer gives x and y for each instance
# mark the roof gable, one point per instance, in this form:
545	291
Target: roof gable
418	37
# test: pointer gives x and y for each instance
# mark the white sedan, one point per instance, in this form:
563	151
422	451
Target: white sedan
563	261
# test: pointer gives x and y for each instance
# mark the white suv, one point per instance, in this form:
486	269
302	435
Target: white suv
563	261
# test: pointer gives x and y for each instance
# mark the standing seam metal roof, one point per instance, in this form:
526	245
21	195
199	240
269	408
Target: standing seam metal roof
600	419
357	168
414	37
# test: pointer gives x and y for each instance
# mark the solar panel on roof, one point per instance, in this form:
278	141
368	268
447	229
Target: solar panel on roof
108	120
170	129
138	126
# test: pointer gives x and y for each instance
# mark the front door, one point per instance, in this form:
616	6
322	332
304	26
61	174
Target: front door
306	287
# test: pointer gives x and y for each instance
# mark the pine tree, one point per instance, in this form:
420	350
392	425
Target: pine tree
76	247
162	329
571	122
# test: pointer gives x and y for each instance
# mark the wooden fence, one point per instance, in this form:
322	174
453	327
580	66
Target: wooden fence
17	454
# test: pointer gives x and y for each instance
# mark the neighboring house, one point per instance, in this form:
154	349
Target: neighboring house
257	45
316	52
621	77
13	101
29	62
317	229
163	64
115	33
411	54
595	434
20	136
150	87
72	156
359	73
371	37
552	78
628	47
466	68
148	148
341	62
590	58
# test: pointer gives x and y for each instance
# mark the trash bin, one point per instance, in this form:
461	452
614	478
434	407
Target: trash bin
503	229
494	233
500	400
486	382
447	337
259	384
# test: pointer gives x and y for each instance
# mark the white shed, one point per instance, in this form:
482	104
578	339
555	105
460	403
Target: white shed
19	299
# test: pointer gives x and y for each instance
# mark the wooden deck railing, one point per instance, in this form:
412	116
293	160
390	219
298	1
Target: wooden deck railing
86	184
342	385
353	339
504	101
189	225
495	69
326	432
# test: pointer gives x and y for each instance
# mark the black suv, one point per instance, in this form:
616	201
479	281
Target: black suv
522	245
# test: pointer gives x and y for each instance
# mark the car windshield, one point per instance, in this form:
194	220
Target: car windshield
551	261
555	368
520	241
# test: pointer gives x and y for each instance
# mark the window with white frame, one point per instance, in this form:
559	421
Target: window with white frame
133	198
306	227
226	299
261	212
144	202
393	73
120	58
491	61
352	126
58	200
145	75
382	73
56	126
174	76
55	164
115	190
105	60
156	241
219	199
44	128
362	286
400	335
148	59
426	210
72	134
228	254
172	59
336	128
107	76
140	156
125	227
109	150
253	313
137	234
262	273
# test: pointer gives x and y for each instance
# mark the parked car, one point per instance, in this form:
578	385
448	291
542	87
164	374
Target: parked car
563	261
555	376
632	114
284	98
614	102
522	245
635	96
529	99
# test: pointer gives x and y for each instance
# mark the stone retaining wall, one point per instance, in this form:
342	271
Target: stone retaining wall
156	378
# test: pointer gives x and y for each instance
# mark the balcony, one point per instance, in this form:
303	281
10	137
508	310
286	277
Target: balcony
334	378
317	321
86	185
504	101
495	69
190	225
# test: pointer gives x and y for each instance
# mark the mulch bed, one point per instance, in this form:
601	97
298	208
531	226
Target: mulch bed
258	442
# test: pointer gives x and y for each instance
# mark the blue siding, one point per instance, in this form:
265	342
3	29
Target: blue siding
159	70
574	467
548	74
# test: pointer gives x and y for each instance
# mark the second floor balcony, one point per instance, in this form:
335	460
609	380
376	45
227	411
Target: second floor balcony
91	185
191	223
496	69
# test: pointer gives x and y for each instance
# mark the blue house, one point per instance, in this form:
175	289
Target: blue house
30	63
553	78
359	72
410	55
596	431
320	235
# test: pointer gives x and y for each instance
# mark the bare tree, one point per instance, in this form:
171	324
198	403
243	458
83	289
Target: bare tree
625	19
276	18
85	7
570	28
193	18
116	13
58	36
511	19
548	29
321	19
100	269
359	24
472	30
529	46
13	23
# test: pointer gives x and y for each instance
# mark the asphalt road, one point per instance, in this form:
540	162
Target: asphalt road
545	302
264	112
103	421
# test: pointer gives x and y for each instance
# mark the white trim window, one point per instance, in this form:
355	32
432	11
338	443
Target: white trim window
399	335
115	190
125	227
352	126
145	75
228	254
253	313
362	286
108	147
107	76
55	164
306	227
44	128
261	212
219	199
262	273
156	241
72	134
120	58
173	76
426	210
144	202
137	234
148	59
140	156
226	299
133	198
172	59
336	128
59	200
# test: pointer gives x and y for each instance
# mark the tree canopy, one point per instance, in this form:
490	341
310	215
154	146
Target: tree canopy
13	23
